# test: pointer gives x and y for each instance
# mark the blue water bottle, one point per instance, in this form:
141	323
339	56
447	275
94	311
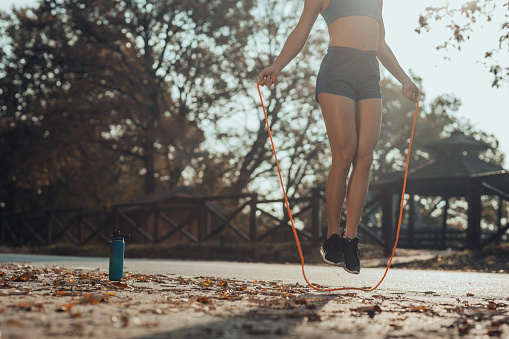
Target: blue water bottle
117	246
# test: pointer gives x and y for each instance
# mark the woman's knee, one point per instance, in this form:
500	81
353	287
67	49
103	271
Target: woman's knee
343	159
364	160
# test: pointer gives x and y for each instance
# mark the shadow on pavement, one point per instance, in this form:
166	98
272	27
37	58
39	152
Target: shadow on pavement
269	318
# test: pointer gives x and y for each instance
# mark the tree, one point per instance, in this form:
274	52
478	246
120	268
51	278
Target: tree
464	20
294	117
118	85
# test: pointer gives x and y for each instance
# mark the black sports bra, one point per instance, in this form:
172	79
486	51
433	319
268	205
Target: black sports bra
340	8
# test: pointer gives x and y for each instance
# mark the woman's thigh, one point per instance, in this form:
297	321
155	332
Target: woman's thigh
339	115
368	123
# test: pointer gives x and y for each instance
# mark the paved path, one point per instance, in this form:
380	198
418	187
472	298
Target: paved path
443	283
64	297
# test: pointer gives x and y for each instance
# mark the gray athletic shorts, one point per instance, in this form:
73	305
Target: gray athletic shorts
349	72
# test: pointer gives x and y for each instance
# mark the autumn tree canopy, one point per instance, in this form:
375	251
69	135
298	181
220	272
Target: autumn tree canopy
103	101
97	93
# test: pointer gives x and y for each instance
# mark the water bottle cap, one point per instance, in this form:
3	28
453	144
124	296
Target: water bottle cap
116	234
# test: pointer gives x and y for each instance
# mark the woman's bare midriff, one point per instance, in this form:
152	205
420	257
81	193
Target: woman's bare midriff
360	32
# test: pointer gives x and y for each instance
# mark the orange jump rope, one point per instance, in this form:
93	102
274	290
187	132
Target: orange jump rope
291	218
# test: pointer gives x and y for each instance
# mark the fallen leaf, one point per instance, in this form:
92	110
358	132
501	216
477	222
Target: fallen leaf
495	332
313	317
206	283
140	278
61	293
24	277
14	292
30	306
6	285
65	307
223	283
464	330
492	305
120	284
419	309
14	322
375	308
298	314
93	298
204	300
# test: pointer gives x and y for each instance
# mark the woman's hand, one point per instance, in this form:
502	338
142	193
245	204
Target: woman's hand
410	90
268	76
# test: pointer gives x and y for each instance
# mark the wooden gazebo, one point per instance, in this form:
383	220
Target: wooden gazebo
455	170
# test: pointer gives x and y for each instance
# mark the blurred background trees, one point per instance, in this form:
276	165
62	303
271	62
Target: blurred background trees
104	101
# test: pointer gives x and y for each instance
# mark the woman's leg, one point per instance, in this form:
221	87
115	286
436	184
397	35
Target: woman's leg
339	115
368	122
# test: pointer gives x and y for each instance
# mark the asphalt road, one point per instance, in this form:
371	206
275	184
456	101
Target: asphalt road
439	283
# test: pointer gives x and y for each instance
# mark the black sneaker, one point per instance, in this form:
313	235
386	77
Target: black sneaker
351	254
331	251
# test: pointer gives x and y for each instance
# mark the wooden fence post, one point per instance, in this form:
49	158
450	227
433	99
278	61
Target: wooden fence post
444	225
411	222
202	226
499	219
252	217
316	216
474	215
387	219
155	234
80	230
50	230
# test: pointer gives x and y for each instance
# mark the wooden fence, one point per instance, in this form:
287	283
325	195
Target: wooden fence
193	219
241	216
249	219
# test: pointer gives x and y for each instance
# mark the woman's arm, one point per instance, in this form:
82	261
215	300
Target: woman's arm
294	42
390	62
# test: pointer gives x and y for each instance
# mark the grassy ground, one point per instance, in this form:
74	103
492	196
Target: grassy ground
490	259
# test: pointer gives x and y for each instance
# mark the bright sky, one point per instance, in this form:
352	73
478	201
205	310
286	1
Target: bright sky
461	73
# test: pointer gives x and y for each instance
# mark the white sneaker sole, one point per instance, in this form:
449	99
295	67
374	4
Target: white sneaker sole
349	271
339	264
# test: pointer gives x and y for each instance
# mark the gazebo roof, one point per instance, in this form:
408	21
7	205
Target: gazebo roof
457	143
452	167
455	160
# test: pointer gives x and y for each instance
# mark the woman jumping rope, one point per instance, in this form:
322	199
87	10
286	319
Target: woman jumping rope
348	91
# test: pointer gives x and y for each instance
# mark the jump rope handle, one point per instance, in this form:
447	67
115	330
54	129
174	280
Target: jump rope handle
291	218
